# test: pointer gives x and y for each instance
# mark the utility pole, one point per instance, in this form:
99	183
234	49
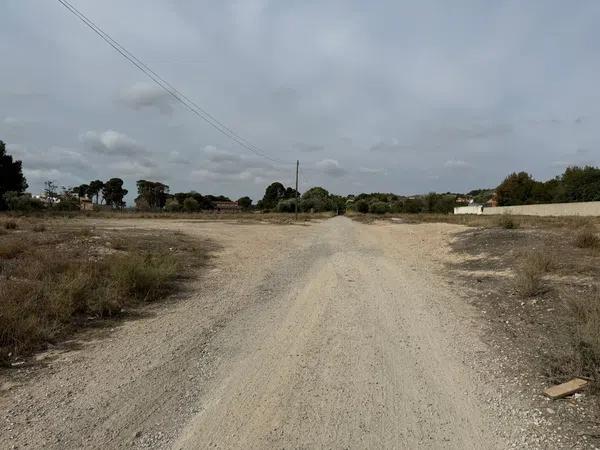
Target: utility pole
297	165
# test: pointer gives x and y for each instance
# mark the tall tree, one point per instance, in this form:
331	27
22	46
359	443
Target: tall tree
516	189
273	193
11	175
581	184
153	193
114	193
50	191
95	188
81	190
316	199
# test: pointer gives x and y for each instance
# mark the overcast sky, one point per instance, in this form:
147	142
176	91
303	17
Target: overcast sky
393	96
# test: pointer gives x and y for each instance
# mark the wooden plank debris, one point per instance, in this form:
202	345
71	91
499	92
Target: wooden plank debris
564	389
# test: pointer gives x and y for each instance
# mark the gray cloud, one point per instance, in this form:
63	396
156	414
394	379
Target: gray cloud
393	145
473	131
13	122
485	93
308	148
330	167
218	155
176	157
371	170
457	164
146	95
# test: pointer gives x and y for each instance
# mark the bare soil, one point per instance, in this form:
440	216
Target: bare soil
335	334
535	334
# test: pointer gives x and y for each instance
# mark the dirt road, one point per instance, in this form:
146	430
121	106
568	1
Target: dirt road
329	335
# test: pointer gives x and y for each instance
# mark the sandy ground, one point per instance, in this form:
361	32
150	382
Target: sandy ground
329	335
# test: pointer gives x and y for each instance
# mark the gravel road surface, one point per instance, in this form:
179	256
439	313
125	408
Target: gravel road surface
334	334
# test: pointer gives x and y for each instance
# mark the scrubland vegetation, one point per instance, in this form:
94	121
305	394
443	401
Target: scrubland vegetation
56	277
550	306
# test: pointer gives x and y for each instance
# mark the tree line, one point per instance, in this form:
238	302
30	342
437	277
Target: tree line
576	184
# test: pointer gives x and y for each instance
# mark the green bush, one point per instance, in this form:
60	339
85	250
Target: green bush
286	206
143	277
22	202
361	206
190	204
378	208
172	205
68	203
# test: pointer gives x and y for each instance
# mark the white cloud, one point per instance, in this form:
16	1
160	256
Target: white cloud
146	95
112	142
331	167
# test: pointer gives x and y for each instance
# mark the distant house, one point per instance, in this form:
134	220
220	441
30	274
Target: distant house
227	207
48	201
493	201
86	204
471	209
463	200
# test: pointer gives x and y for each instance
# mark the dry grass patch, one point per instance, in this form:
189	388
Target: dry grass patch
54	282
533	264
587	238
11	248
528	281
540	260
583	330
39	228
507	222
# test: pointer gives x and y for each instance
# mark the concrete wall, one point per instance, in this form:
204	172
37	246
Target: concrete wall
550	209
468	209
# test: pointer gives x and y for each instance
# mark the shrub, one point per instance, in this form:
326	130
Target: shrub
586	238
190	204
528	281
22	202
378	208
361	206
586	314
51	284
67	203
314	204
10	225
507	222
172	205
143	277
541	260
286	206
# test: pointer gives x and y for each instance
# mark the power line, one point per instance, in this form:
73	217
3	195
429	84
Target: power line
169	88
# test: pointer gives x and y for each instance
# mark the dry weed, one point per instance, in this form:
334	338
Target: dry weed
587	238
